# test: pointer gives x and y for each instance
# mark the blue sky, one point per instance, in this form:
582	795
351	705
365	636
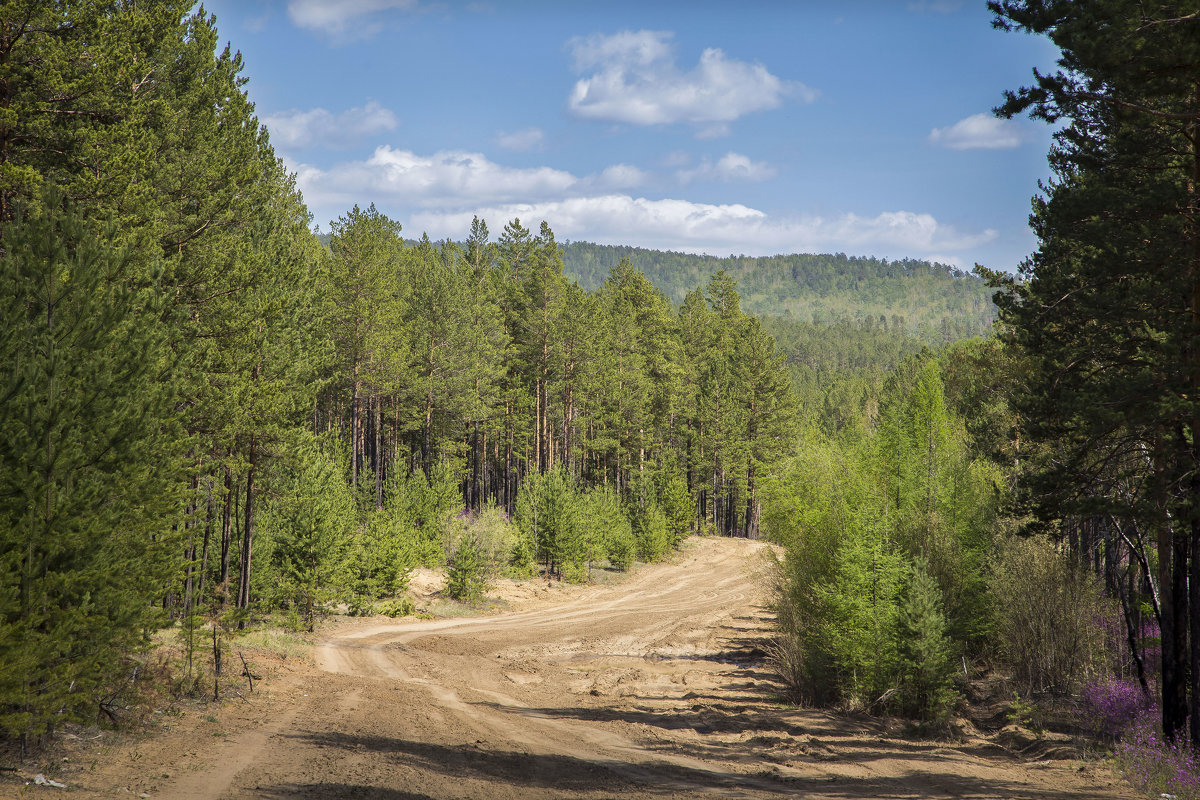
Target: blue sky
748	127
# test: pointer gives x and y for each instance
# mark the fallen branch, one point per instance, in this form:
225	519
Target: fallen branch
246	671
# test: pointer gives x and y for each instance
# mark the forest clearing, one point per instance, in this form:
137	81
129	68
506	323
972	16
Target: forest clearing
656	687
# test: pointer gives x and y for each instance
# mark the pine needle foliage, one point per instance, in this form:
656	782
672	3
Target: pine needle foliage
925	650
86	468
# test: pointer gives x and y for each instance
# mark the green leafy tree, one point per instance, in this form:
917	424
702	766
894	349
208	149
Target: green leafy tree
605	529
650	525
677	505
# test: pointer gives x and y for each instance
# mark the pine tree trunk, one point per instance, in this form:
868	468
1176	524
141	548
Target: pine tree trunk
378	452
1175	686
509	504
227	526
427	435
474	499
1173	602
751	526
1193	457
248	531
537	425
716	499
208	521
355	424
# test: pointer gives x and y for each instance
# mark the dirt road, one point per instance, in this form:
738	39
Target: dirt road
655	687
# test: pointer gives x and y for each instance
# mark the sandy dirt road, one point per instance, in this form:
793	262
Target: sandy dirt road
655	687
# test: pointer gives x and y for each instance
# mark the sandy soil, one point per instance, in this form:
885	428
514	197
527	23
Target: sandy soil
655	687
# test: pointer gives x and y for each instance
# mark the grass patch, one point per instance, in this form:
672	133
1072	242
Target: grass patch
287	644
448	607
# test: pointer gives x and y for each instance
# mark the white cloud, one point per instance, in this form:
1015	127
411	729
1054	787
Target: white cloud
627	48
979	132
717	130
296	129
355	18
676	158
439	194
718	229
525	139
449	178
635	80
621	176
730	167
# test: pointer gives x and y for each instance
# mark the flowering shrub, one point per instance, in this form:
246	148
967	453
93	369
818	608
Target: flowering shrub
1108	707
1154	764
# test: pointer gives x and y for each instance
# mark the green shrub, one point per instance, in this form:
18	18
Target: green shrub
1047	614
467	576
402	606
678	507
650	532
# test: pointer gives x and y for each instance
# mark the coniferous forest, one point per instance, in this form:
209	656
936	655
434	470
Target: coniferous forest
208	415
212	419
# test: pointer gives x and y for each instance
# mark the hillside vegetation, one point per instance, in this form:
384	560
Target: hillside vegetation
933	301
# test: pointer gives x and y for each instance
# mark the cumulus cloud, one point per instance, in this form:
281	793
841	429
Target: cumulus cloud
297	130
729	167
449	179
358	18
633	78
440	193
979	132
525	139
627	48
702	227
446	177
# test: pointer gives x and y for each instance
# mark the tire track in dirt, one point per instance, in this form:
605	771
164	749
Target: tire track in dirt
653	687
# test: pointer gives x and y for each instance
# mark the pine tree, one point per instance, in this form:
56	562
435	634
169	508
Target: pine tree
367	324
925	651
89	464
309	524
1108	311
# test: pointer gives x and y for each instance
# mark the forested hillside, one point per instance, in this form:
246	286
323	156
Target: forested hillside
933	301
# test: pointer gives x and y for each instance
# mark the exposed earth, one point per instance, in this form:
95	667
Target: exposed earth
653	686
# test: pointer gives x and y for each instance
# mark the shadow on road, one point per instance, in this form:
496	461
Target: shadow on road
566	774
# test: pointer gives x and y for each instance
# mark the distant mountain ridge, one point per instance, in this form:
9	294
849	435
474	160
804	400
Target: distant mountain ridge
934	301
